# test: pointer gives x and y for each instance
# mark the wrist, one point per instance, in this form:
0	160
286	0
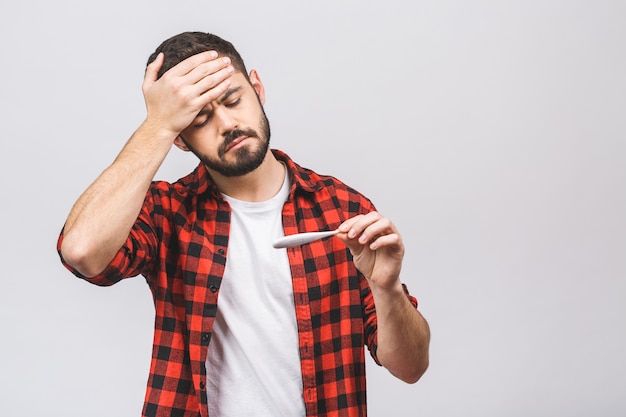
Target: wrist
156	130
390	289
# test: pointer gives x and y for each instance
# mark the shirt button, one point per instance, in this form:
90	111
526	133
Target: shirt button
202	385
220	251
205	337
213	288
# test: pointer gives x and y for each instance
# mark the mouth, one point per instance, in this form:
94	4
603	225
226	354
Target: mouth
236	143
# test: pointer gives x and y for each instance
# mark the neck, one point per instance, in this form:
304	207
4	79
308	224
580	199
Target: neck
259	185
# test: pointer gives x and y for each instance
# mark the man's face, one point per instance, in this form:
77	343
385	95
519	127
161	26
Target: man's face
231	135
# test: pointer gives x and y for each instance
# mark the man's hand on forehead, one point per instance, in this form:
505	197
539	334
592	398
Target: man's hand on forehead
189	64
175	99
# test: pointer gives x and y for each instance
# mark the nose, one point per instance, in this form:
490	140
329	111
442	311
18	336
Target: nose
225	121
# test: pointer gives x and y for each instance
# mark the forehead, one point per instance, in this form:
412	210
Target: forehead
239	84
239	79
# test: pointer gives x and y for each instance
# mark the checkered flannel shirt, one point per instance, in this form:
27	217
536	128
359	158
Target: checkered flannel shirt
180	244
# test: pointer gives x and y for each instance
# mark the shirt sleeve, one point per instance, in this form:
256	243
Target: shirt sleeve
134	257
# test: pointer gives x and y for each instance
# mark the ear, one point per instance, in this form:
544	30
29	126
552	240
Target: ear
180	143
255	80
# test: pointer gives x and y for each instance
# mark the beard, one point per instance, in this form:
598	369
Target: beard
247	158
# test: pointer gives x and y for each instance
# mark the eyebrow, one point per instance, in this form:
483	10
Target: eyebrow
221	100
229	93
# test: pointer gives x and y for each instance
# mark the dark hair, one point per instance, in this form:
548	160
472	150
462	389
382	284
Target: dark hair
182	46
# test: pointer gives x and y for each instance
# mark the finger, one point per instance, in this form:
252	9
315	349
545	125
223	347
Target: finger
391	240
207	69
152	70
353	245
215	92
356	225
213	80
189	64
379	227
348	224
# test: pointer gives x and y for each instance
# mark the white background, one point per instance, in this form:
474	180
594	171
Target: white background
493	133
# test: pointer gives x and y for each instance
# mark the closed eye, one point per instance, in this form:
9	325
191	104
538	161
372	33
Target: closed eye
230	95
233	103
201	119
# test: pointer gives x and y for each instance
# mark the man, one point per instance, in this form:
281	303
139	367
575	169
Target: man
287	336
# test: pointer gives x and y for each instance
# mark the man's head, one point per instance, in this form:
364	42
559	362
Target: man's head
180	47
231	134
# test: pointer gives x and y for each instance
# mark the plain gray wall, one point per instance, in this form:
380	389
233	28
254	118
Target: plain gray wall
493	133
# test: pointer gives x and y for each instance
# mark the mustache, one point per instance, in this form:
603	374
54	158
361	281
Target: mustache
234	134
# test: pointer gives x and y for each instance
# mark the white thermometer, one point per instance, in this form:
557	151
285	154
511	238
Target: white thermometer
302	238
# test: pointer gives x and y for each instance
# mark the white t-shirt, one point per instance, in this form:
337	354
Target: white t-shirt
253	364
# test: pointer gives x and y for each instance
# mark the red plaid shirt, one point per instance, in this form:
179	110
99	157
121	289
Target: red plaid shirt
180	244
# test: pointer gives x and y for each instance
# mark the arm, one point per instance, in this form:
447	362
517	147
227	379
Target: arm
100	220
403	334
